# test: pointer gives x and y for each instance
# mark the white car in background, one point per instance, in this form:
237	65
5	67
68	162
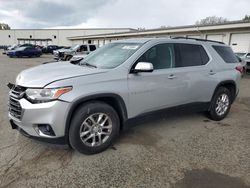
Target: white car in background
79	49
245	58
243	55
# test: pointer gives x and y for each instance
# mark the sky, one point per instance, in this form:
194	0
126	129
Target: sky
34	14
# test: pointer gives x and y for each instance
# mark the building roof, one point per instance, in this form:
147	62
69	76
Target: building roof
169	30
114	28
34	39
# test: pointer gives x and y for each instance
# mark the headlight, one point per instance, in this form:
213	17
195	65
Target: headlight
45	95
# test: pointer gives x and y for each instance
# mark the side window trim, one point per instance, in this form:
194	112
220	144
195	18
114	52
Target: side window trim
142	53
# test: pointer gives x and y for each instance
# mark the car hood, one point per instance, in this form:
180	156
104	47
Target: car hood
13	51
45	74
80	55
63	50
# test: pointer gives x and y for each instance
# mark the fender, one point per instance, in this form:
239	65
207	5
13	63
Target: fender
225	83
122	111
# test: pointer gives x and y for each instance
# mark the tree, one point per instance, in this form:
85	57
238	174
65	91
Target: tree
4	26
211	20
246	18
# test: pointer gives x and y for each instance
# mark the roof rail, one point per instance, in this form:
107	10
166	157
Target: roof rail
204	40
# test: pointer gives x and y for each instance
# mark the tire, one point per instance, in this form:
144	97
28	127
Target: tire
68	58
82	124
219	109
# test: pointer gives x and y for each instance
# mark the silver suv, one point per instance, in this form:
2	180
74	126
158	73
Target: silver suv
86	105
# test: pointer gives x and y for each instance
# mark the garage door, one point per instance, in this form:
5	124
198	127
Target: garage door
240	42
215	37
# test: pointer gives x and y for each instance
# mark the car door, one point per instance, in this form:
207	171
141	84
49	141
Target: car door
193	66
26	51
33	51
164	87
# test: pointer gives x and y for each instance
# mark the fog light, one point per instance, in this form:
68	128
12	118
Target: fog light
46	129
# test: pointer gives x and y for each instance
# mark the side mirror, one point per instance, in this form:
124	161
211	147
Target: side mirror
143	67
75	60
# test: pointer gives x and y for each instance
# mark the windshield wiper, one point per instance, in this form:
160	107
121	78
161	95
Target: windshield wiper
89	65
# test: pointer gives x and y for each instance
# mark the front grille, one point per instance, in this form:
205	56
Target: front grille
15	109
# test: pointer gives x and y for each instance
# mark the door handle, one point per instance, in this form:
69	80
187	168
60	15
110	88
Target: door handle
171	76
212	72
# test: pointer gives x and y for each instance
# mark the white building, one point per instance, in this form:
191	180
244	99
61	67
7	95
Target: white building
50	36
236	34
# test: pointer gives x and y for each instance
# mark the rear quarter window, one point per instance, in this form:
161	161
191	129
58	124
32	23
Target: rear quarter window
190	55
92	48
226	53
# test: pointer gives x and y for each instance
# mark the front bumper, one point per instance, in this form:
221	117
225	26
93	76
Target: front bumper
33	115
58	55
59	140
10	54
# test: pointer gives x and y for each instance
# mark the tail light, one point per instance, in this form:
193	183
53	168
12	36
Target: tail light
240	69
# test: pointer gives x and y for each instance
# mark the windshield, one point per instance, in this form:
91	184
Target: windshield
111	55
74	47
240	54
21	48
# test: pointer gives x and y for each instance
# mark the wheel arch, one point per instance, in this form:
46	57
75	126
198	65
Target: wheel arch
113	100
68	57
230	85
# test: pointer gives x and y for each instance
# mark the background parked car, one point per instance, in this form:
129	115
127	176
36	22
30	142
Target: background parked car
245	59
6	48
67	54
50	48
243	55
28	51
243	64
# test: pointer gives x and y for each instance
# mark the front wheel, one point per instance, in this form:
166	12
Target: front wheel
220	104
94	128
68	58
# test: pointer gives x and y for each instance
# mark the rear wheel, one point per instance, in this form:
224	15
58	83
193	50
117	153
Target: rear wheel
220	104
94	128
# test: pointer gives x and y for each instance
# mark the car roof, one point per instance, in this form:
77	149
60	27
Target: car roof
134	40
175	40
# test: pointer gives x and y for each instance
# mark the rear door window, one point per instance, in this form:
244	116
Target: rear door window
190	55
226	53
92	48
83	48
